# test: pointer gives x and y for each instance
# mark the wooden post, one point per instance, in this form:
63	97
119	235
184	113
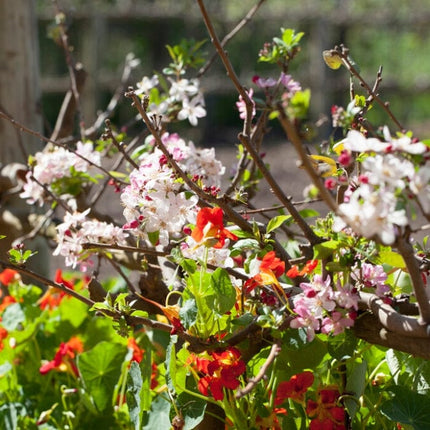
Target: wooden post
19	79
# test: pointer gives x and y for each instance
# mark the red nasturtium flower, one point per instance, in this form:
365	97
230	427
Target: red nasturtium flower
209	225
53	296
8	276
221	371
138	357
3	335
64	357
137	350
272	262
295	388
326	413
309	267
5	302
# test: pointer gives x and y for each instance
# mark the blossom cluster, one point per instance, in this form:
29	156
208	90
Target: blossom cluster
76	230
375	204
324	309
155	201
184	100
53	164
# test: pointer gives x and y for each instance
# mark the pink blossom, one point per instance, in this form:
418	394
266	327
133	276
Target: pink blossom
241	106
263	82
336	323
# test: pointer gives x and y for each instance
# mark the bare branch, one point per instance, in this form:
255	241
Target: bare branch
274	352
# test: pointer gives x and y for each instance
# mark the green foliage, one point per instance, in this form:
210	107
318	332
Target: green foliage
186	54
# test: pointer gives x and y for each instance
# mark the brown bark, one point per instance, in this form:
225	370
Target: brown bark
370	329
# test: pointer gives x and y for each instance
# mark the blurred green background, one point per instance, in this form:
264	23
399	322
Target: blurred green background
394	34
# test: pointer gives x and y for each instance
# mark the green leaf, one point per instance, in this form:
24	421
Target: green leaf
343	345
190	266
408	407
192	409
356	382
158	417
225	294
116	174
246	244
276	222
326	249
12	317
153	237
100	369
139	313
308	213
134	387
394	361
391	258
188	313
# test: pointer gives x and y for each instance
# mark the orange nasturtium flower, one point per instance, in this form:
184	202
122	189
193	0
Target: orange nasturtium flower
221	371
8	276
271	268
53	296
210	226
64	357
295	388
309	267
271	421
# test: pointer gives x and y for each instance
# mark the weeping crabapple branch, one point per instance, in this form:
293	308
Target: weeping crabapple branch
392	320
196	344
407	252
370	329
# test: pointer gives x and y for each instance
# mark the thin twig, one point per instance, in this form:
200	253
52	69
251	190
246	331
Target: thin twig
119	145
27	130
274	352
46	281
230	35
294	138
285	200
343	53
71	66
229	68
148	251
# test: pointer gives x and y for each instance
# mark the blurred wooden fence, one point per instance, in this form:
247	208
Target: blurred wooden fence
101	39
